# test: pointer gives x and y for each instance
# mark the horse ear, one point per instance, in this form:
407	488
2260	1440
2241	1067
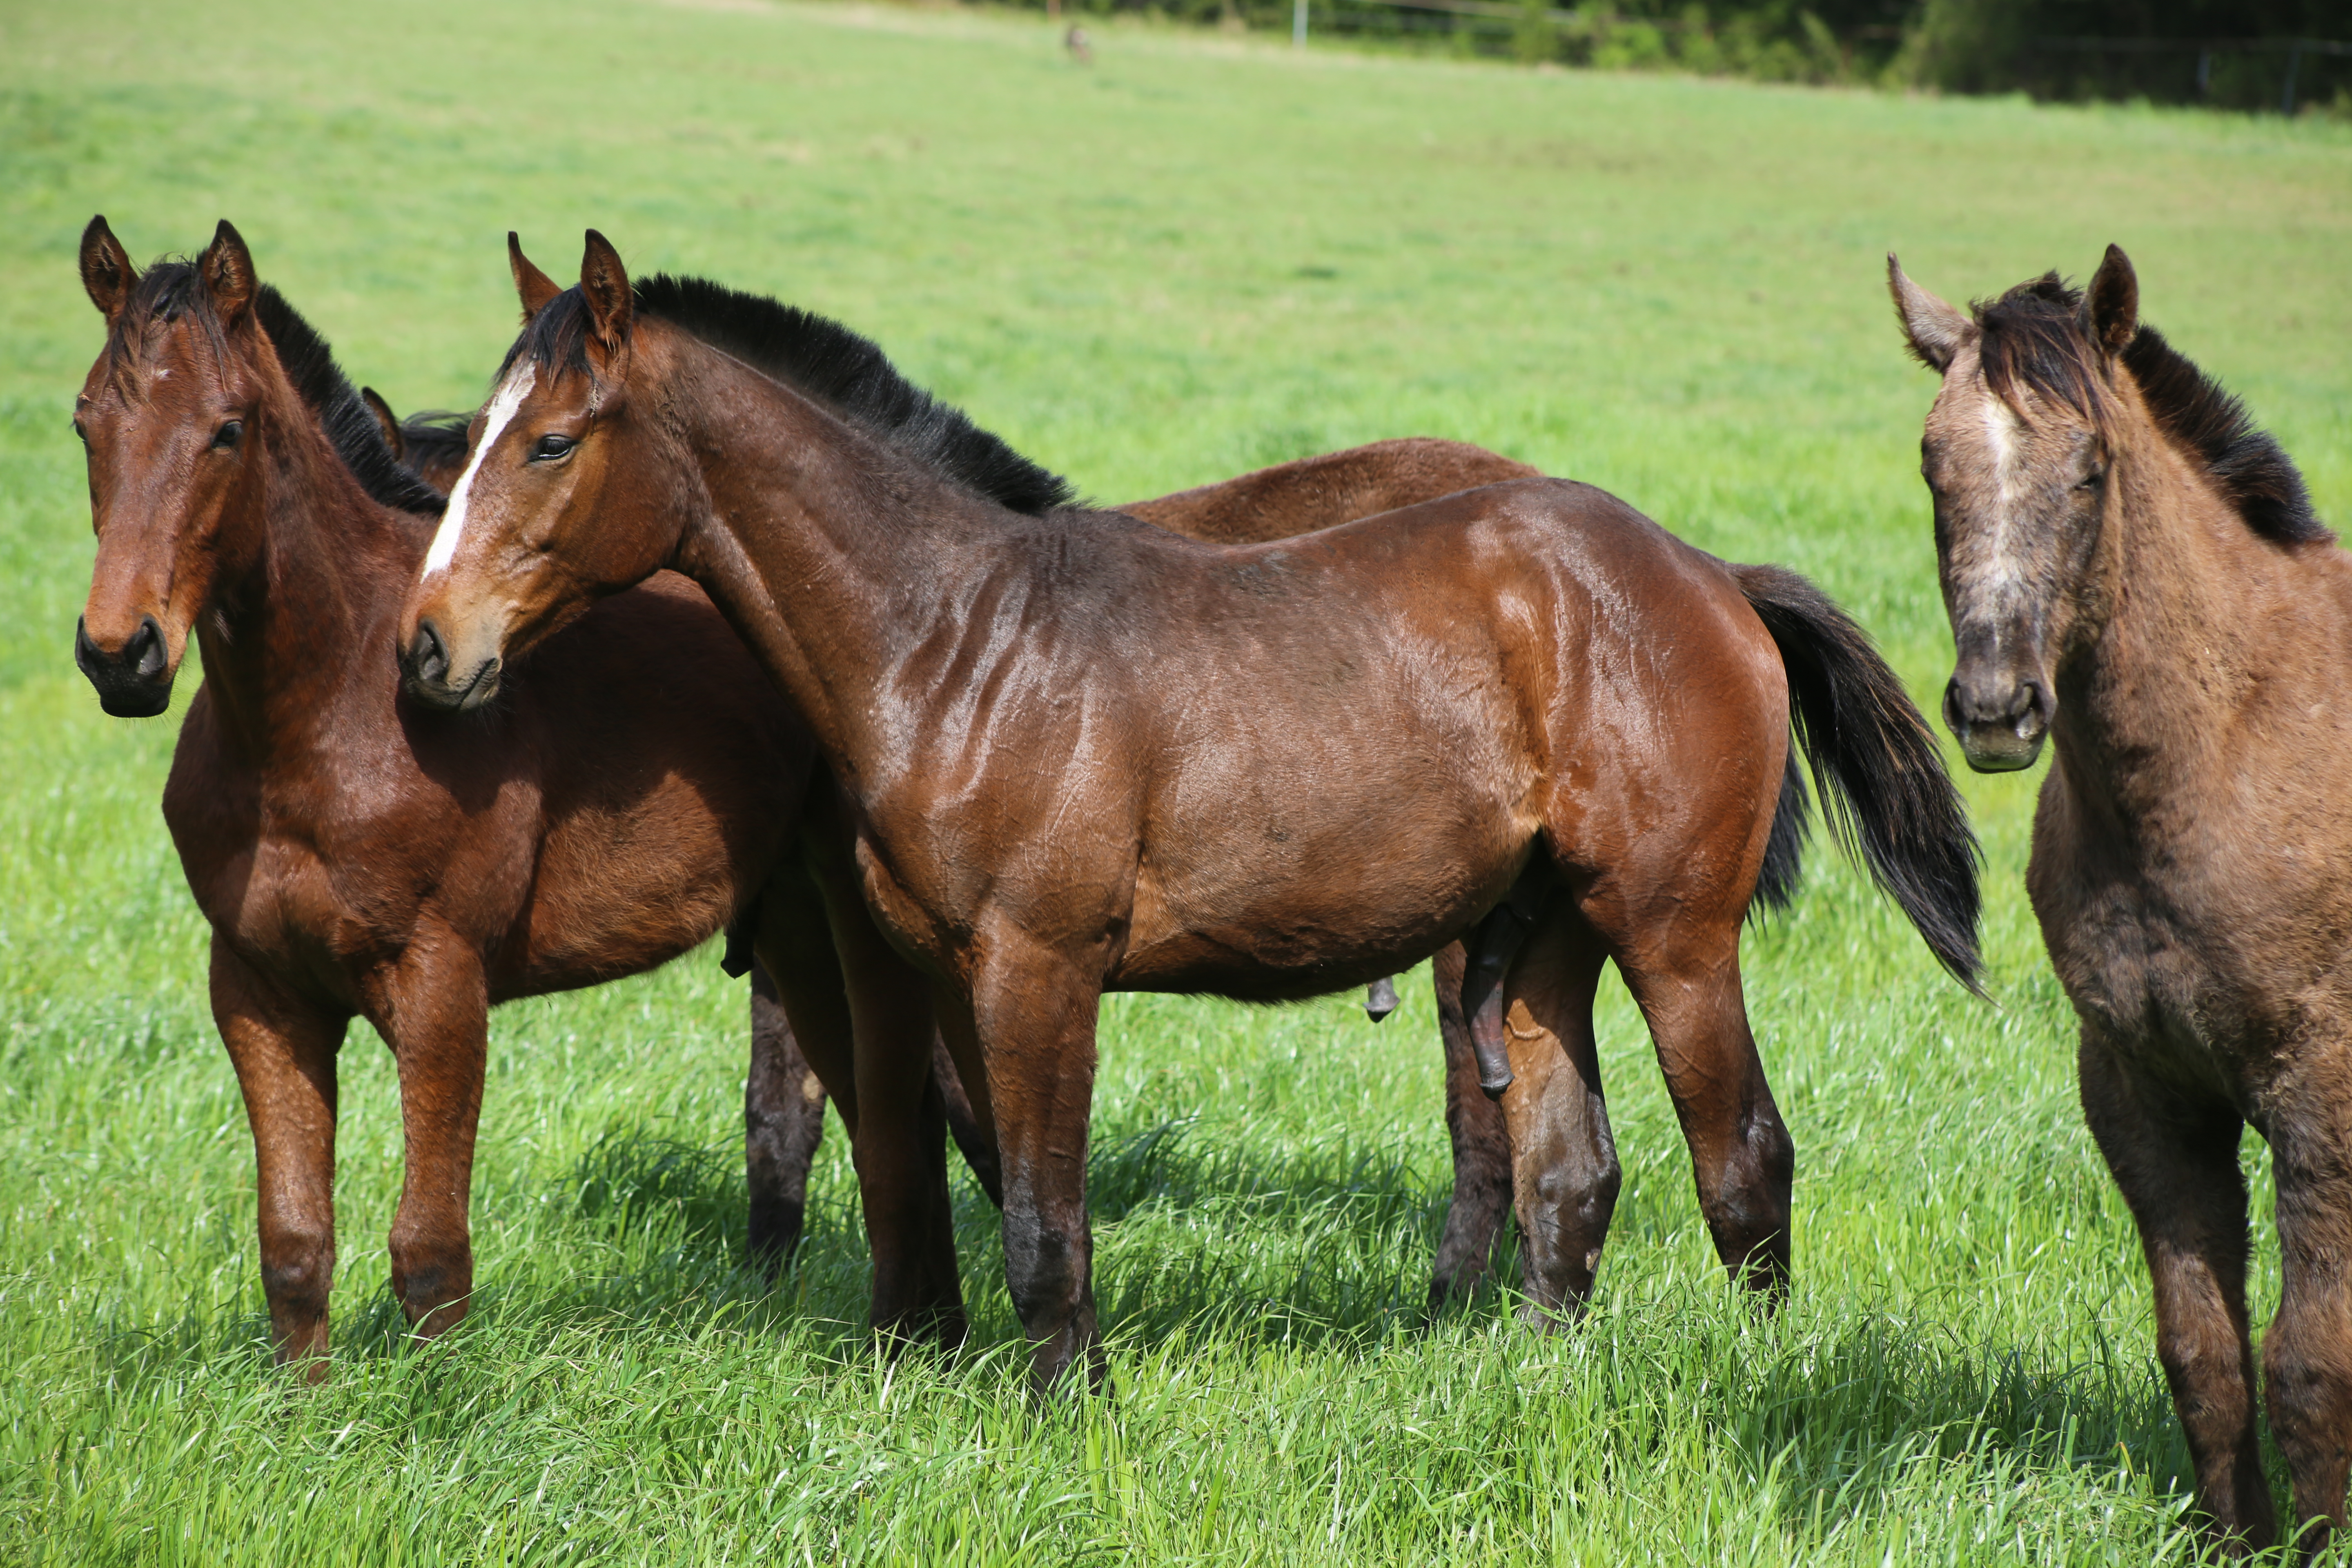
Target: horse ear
385	422
106	270
535	287
227	268
2111	307
1933	329
604	284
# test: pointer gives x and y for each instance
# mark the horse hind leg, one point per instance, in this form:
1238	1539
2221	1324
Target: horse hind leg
1683	969
2176	1160
1563	1160
784	1124
1482	1149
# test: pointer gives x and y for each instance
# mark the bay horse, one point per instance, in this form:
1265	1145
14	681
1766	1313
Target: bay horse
784	1100
356	856
2135	575
1075	752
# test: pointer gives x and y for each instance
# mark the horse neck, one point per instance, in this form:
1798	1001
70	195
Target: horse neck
837	558
2168	645
311	571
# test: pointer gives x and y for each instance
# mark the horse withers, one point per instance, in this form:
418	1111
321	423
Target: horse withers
2135	575
1079	753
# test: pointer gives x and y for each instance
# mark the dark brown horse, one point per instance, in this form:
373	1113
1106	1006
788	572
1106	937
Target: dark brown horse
784	1100
350	851
1075	752
2135	574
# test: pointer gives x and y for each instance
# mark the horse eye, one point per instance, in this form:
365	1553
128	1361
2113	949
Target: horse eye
228	435
80	435
550	447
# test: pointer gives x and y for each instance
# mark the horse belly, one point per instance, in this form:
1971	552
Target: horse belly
1275	909
618	892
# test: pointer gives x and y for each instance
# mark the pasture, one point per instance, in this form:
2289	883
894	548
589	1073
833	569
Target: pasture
1197	255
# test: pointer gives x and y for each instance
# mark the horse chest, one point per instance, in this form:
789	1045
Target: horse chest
2174	960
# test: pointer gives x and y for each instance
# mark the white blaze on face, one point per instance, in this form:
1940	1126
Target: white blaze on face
2002	430
507	399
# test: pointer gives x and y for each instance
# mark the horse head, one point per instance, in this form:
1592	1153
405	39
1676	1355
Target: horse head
169	415
2016	455
522	548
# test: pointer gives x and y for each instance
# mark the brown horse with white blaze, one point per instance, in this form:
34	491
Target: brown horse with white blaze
784	1100
1080	753
2135	575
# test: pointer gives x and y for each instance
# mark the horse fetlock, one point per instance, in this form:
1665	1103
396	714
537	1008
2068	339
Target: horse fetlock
298	1271
433	1288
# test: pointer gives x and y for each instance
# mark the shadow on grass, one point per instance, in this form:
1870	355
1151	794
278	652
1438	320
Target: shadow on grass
1843	1417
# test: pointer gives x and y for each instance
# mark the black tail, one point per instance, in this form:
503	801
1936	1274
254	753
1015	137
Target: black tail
1876	763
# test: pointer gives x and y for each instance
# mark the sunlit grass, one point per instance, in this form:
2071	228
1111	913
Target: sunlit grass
1194	257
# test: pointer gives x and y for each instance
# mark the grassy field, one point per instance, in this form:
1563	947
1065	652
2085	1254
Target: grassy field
1196	256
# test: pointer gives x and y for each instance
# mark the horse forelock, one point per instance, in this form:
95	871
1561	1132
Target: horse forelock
168	290
172	290
2033	338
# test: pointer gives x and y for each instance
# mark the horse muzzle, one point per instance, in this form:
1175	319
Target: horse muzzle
432	676
133	681
2000	721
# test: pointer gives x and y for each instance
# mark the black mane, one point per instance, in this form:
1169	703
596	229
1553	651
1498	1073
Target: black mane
2034	335
434	439
847	372
350	424
172	288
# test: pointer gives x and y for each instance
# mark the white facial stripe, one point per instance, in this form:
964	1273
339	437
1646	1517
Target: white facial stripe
2001	430
453	520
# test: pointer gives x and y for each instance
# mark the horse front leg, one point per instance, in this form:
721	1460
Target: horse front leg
900	1146
1033	1018
1482	1148
2175	1159
433	1009
284	1051
2307	1353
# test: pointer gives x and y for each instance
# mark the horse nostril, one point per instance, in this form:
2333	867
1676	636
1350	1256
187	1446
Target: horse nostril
428	657
2037	704
144	653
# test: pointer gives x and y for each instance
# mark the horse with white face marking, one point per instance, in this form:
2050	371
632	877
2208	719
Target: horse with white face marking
2134	572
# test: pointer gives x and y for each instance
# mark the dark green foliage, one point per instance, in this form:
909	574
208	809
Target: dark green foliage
2231	53
2234	54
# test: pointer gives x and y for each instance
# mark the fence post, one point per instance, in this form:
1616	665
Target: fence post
1298	23
2286	96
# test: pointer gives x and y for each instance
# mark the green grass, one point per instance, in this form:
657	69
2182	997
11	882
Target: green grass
1197	257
